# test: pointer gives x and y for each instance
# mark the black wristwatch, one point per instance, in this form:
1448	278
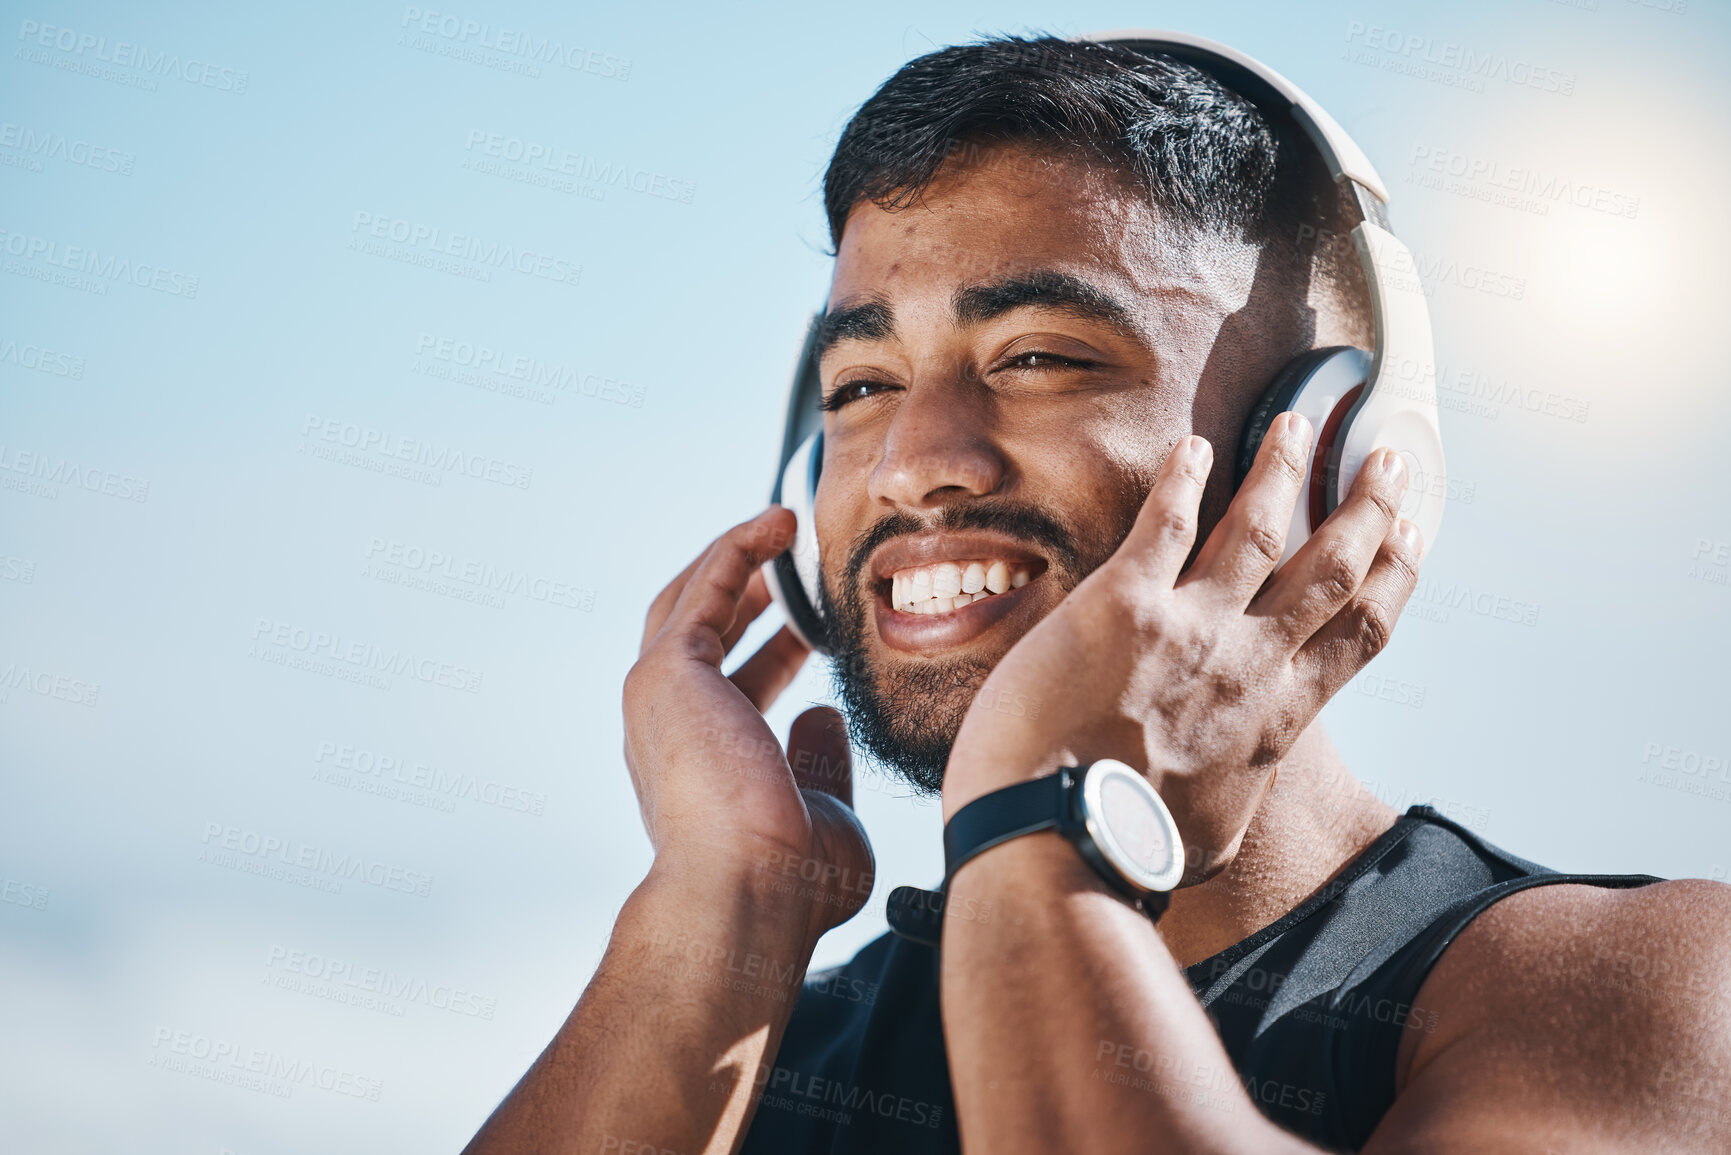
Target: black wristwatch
1109	812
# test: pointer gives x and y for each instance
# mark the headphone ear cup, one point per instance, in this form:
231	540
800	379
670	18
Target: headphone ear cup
1319	384
792	575
1278	399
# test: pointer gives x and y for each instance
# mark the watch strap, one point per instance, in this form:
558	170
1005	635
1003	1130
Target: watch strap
1010	812
917	914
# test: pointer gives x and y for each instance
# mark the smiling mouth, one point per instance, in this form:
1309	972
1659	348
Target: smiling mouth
945	586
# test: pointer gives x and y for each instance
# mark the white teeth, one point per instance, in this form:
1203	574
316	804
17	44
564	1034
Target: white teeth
947	586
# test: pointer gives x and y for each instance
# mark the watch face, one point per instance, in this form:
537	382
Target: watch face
1131	826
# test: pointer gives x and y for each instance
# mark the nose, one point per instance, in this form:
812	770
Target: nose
939	448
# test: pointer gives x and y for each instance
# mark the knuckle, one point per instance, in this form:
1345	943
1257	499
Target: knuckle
1266	538
1404	562
1374	626
1336	575
634	679
1387	501
1288	463
1171	522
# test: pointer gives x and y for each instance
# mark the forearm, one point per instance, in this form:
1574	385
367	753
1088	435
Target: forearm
1070	1027
664	1047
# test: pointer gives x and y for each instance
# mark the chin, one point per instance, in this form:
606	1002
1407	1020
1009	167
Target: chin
905	714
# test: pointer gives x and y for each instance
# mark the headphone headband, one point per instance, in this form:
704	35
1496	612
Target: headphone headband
1264	87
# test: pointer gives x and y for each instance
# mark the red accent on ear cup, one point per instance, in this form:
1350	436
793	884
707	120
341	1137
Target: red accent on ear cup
1319	479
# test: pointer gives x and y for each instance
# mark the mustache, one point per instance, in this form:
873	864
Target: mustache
1026	522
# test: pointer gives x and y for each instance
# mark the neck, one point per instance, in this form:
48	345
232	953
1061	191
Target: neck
1315	818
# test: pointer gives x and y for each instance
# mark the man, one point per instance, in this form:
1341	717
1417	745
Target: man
1063	274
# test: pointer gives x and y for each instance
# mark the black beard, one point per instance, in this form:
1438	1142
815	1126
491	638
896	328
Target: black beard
906	718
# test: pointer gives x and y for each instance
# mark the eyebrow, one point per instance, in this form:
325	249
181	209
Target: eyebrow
874	320
870	320
1044	289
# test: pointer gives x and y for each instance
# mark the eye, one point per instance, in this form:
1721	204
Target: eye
850	391
1036	359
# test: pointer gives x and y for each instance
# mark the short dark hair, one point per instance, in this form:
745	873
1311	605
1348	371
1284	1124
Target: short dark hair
1206	157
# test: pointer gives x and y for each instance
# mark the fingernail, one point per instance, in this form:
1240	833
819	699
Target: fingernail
1394	466
1410	534
1198	448
1297	425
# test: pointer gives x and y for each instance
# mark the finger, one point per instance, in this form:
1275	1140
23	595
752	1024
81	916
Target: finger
763	676
1246	546
1165	527
664	601
708	606
1364	625
1327	572
755	600
817	749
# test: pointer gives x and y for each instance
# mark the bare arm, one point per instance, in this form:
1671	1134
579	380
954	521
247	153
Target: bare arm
1070	1028
692	995
664	1049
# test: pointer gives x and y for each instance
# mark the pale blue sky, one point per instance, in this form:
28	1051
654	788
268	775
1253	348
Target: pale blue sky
157	714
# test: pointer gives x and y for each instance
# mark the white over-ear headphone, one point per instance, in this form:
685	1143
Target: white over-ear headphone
1357	401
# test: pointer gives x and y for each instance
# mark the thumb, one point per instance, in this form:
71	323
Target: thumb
817	749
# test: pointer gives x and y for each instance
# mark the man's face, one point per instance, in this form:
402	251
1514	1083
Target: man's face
1008	362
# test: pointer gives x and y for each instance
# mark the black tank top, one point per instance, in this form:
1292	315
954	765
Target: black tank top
1311	1008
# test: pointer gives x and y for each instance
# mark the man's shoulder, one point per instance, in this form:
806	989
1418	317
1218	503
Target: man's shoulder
1611	1003
1635	947
1599	1017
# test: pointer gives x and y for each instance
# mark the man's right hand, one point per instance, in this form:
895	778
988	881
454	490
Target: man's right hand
723	805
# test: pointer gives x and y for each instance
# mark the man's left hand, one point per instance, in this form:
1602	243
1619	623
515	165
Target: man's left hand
1201	677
